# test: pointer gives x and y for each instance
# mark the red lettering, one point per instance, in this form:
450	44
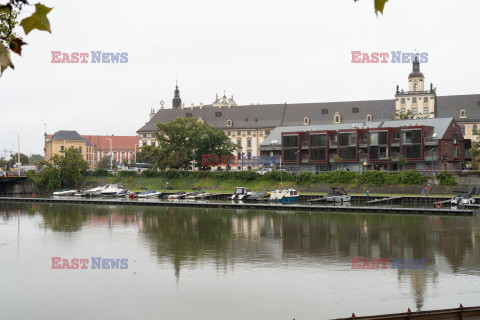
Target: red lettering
366	58
84	263
374	264
55	261
356	262
384	263
84	56
56	59
384	56
355	58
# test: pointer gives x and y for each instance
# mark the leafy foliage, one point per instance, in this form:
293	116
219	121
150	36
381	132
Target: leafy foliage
67	170
103	163
407	115
8	22
14	158
446	179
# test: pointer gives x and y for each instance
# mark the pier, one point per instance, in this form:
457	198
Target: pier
255	206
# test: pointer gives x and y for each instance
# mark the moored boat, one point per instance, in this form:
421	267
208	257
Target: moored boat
284	196
149	194
241	194
338	195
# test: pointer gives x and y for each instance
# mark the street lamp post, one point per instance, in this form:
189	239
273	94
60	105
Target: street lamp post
111	153
18	152
243	154
359	160
135	153
432	150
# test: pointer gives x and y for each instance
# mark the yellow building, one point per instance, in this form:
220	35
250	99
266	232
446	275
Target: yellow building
63	139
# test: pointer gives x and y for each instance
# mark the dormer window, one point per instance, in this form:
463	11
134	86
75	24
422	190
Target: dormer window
324	111
463	114
355	110
369	117
306	121
229	123
337	118
188	114
218	114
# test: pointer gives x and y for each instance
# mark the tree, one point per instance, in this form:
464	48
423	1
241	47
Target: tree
36	158
14	158
407	115
65	170
476	150
184	139
3	162
9	41
337	160
103	163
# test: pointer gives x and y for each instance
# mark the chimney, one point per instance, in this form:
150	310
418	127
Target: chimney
220	105
191	106
152	113
201	105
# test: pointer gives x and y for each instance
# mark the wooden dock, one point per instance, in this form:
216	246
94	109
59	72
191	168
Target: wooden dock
253	206
383	200
468	313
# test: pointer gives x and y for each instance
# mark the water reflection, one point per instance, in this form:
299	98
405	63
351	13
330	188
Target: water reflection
191	237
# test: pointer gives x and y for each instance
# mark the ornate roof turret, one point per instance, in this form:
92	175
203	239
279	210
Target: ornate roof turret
176	101
416	69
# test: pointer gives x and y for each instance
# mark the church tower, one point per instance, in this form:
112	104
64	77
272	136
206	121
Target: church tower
176	101
420	102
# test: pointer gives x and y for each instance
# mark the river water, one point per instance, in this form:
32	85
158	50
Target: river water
229	264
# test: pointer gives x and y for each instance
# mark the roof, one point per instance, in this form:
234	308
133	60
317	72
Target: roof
69	135
126	143
450	106
275	115
440	126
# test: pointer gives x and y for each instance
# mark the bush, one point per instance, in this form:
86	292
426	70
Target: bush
100	173
127	173
150	173
411	177
307	178
374	178
446	179
338	177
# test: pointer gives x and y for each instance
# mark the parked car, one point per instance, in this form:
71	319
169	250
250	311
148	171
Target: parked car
264	170
285	171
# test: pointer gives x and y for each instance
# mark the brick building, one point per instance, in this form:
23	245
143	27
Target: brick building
123	148
431	144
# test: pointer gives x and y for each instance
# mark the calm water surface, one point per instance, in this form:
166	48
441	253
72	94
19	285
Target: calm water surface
226	264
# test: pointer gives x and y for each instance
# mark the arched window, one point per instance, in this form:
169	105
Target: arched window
369	117
415	86
229	123
463	114
306	121
337	118
474	129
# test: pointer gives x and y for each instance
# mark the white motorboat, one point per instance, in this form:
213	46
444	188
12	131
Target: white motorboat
95	192
241	194
177	195
197	195
462	199
149	194
65	192
284	196
114	190
338	195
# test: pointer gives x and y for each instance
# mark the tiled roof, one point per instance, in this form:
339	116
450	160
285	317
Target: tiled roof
119	143
68	135
440	126
450	106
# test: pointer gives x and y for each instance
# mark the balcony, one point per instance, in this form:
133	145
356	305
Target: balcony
431	142
305	159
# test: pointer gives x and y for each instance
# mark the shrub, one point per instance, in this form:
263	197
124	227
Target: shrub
150	173
307	178
338	177
100	173
127	173
411	177
373	178
446	179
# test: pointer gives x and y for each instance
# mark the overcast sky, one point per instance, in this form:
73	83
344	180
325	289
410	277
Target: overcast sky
259	51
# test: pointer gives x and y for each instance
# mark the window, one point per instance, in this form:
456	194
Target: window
267	132
425	99
457	152
337	118
229	123
249	143
369	117
324	111
403	110
62	148
144	143
306	121
414	100
378	145
249	132
414	111
290	147
80	149
412	143
426	110
474	129
218	114
455	137
355	110
229	133
239	142
463	114
249	155
188	115
462	128
347	143
318	147
239	133
402	100
415	86
153	144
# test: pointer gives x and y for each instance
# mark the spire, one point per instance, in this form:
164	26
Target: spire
176	101
416	69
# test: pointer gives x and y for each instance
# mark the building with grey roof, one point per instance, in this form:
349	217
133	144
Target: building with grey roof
431	144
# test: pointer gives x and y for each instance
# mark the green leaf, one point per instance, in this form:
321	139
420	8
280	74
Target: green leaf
38	20
379	5
5	61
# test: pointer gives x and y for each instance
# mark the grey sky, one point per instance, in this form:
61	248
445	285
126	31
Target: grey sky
259	51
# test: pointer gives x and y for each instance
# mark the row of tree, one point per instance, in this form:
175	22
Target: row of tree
24	159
